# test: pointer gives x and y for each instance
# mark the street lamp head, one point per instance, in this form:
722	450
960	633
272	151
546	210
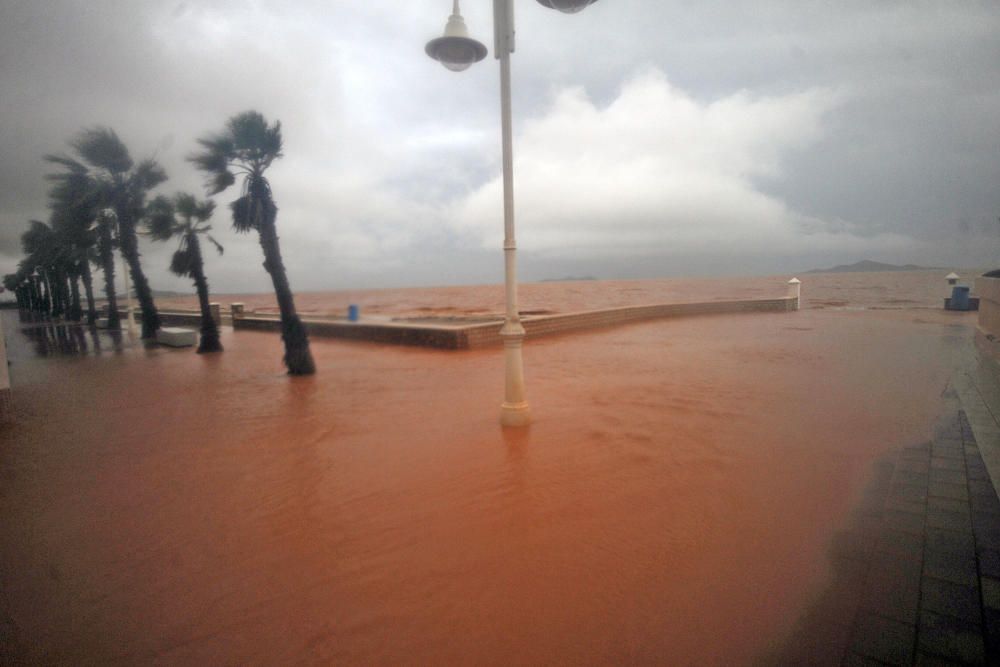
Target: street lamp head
567	6
456	50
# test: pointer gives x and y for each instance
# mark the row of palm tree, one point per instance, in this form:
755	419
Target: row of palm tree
100	201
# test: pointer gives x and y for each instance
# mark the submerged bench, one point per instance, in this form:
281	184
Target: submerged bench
176	337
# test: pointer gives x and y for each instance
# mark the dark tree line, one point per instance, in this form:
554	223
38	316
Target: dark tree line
100	201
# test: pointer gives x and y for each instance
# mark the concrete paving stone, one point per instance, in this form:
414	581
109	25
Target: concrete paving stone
914	465
951	454
943	490
985	503
910	522
991	592
911	454
957	521
913	492
982	487
950	599
989	562
900	542
951	567
951	638
852	659
971	450
883	639
978	473
948	476
892	588
925	660
942	463
991	632
987	531
949	505
915	507
910	478
950	541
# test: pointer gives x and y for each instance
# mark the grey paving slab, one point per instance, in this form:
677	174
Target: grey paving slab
951	599
883	639
950	638
917	578
949	567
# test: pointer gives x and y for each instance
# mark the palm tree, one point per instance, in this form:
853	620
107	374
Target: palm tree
77	203
184	217
123	185
45	251
248	146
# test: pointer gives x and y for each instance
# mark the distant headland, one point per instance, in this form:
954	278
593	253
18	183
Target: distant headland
868	266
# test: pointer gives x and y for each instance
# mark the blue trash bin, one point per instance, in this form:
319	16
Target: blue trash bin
959	297
353	312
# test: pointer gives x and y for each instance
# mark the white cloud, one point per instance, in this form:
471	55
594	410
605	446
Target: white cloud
656	172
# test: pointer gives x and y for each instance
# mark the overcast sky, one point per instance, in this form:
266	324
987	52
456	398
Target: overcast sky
651	138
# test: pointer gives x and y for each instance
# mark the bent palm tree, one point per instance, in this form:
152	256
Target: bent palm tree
79	206
184	217
123	185
247	147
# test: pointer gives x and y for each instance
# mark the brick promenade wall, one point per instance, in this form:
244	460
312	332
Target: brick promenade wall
178	318
486	335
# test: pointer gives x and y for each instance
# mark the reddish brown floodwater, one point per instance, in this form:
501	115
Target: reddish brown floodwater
672	502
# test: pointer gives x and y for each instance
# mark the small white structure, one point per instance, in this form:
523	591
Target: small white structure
176	337
952	278
795	290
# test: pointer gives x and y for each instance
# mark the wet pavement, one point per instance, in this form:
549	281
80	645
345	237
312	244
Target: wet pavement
916	577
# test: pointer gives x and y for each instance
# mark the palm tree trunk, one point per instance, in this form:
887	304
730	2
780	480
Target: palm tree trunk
298	358
107	255
51	305
130	250
209	330
75	310
88	288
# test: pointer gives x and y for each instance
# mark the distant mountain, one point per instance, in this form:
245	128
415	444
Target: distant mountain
567	279
868	266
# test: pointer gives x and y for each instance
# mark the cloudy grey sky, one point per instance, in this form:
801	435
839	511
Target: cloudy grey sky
651	138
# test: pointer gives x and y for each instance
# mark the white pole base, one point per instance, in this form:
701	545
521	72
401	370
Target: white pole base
515	414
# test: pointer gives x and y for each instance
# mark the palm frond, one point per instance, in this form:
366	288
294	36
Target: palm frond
218	246
218	151
159	219
71	165
243	220
100	147
148	174
182	263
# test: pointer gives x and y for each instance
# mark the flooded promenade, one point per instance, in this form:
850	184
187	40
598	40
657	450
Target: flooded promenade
674	502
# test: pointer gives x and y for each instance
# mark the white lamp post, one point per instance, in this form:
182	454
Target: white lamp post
457	51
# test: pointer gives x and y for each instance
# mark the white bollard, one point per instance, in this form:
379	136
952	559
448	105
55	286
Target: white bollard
795	290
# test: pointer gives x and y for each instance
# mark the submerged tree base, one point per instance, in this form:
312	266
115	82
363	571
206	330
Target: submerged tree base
298	358
209	343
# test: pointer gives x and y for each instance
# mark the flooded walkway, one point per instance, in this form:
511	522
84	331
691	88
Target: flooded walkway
674	502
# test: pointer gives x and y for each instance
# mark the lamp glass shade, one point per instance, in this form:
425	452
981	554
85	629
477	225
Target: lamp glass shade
456	53
567	6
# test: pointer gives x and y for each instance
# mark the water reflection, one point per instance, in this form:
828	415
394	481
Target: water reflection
49	338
